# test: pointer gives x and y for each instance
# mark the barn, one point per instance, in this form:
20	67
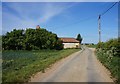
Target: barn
70	43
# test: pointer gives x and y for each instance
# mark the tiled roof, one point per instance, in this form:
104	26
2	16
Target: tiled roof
69	40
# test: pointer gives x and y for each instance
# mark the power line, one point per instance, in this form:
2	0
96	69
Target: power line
88	18
77	22
109	8
99	20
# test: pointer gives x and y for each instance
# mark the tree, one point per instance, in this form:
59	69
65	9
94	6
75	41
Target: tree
13	40
31	39
0	42
79	38
59	45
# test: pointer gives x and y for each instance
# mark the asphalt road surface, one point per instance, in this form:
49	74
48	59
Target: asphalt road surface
81	66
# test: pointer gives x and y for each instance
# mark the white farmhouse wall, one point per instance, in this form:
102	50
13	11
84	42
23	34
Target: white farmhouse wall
71	45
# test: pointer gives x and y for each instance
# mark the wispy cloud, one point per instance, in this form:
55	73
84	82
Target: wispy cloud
33	10
52	10
22	15
53	15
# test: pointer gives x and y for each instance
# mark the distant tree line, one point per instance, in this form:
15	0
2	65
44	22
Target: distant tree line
31	39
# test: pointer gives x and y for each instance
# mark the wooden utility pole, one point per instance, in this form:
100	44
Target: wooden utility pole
99	28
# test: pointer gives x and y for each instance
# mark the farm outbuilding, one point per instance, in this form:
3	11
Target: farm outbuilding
70	43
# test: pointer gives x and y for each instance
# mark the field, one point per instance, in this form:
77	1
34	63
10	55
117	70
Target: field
19	66
91	46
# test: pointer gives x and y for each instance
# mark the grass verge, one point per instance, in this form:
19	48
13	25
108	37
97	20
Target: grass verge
19	66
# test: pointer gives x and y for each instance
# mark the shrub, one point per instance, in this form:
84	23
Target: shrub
109	54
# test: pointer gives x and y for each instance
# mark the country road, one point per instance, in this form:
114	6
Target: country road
81	66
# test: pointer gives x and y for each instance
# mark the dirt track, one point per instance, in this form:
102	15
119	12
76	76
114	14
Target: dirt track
81	66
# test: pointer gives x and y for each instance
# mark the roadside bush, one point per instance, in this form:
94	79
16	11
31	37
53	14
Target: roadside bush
30	39
109	54
100	45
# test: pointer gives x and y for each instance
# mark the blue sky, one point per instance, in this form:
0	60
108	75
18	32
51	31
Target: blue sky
66	19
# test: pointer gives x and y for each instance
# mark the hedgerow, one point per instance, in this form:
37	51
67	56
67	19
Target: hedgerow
109	54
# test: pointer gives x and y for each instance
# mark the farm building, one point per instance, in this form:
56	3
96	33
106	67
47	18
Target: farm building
70	43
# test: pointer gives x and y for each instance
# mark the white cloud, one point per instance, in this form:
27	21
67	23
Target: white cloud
52	10
43	14
26	12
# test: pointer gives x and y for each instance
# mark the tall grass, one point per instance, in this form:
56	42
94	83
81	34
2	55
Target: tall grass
19	66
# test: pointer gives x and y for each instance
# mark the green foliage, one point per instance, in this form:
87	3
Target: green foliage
100	45
59	45
113	45
109	54
0	43
13	40
79	38
31	39
19	66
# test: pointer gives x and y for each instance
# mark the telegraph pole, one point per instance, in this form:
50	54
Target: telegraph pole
99	28
99	18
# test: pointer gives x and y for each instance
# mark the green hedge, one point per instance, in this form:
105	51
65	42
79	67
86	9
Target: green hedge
109	54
